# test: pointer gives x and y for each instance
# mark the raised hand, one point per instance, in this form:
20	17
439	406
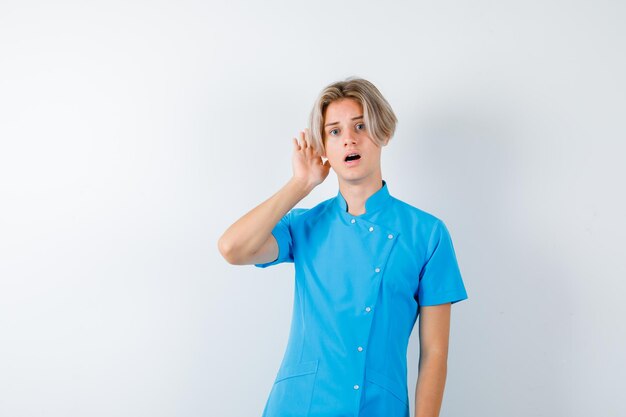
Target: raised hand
307	161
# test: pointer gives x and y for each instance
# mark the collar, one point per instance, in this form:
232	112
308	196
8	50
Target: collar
377	201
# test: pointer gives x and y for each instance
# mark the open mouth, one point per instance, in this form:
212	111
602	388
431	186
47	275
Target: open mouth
352	157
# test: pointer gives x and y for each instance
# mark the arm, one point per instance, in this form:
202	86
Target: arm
434	330
249	240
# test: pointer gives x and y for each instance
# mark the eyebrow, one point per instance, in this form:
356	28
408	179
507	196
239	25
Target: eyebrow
336	123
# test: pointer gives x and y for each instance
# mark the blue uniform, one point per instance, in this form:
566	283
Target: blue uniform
359	283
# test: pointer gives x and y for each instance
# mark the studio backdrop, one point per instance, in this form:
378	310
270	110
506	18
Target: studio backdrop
133	133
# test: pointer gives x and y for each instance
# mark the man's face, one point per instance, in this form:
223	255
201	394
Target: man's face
345	133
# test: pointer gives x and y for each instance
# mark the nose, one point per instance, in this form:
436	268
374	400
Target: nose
349	138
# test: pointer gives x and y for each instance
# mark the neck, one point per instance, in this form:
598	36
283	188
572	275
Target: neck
356	193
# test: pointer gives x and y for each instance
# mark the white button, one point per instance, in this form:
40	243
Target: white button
356	387
360	349
371	229
368	309
352	221
390	236
377	270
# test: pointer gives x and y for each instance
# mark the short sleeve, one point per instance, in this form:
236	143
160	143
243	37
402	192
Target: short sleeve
282	233
440	279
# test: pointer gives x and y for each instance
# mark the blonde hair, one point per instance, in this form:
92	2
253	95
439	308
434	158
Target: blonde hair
380	120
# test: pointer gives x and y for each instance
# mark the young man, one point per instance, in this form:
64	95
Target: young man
366	266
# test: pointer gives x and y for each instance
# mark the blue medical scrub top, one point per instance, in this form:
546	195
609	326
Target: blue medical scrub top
359	283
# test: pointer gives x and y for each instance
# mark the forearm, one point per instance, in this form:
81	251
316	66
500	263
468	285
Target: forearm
246	235
430	386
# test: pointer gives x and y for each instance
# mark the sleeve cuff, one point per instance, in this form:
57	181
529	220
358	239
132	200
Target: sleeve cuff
282	248
447	297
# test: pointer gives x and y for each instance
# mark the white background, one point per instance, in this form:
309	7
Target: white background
134	133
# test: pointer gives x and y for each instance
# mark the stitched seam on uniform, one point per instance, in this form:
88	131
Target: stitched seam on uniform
430	239
393	245
302	314
308	411
384	384
456	292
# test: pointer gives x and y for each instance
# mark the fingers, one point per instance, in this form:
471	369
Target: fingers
303	143
310	141
304	138
307	137
306	143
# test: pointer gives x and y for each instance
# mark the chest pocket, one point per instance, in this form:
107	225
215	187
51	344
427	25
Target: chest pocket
292	390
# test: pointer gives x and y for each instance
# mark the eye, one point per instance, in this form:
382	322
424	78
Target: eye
331	132
360	124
